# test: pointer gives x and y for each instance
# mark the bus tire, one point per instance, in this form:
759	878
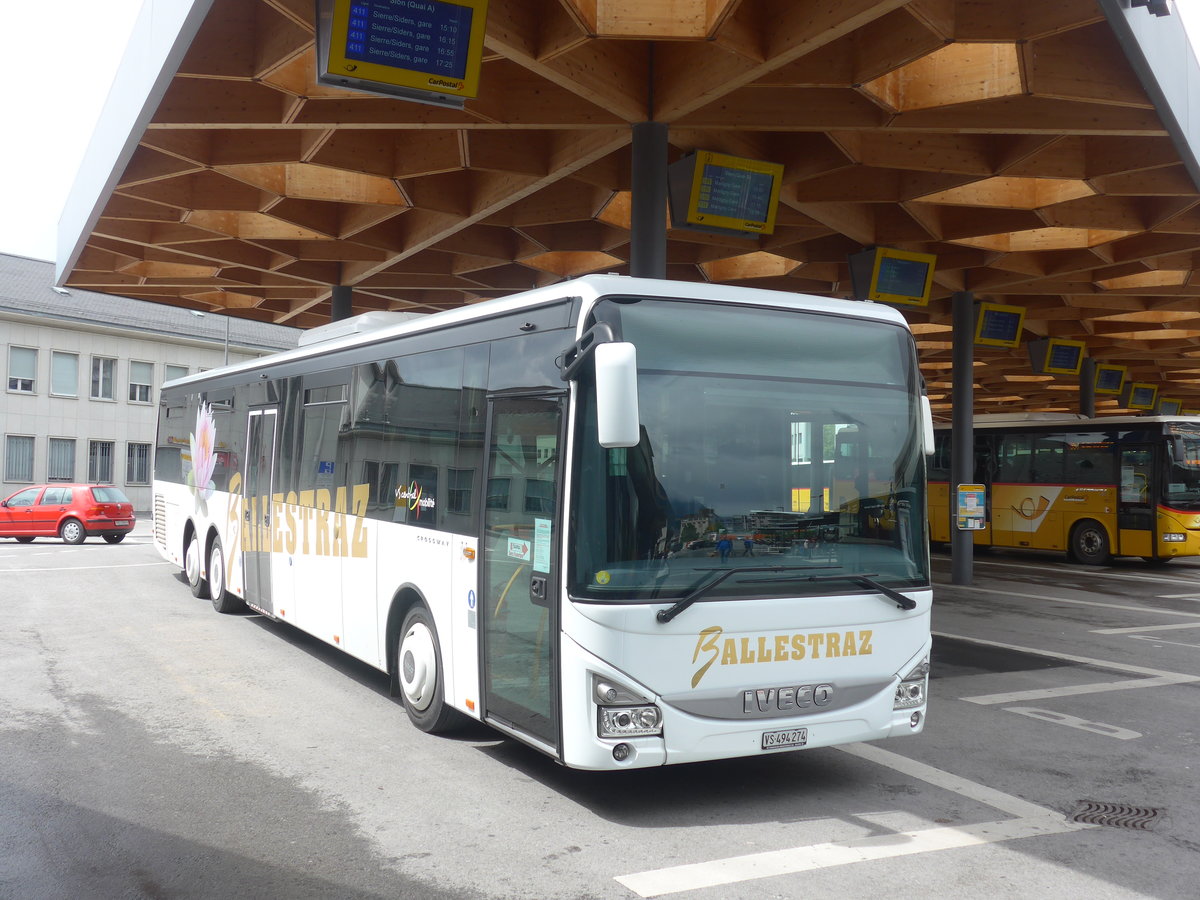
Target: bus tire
1089	543
419	674
191	568
222	600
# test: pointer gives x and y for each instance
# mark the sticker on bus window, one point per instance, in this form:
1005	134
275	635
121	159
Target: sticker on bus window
541	545
518	549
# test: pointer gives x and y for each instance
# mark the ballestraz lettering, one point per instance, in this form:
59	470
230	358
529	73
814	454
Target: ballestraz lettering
712	647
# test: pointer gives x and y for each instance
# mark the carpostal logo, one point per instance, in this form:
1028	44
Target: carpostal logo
445	83
713	648
414	498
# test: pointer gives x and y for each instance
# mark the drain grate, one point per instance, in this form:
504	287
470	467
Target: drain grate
1116	815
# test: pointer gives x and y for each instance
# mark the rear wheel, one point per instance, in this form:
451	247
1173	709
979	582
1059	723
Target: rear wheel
419	672
222	600
114	538
25	540
1089	543
72	531
191	568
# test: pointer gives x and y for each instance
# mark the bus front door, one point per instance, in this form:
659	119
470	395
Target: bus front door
521	533
257	490
1135	508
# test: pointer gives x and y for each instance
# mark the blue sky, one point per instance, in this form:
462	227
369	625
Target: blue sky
53	97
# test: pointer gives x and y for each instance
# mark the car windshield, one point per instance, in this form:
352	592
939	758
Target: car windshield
770	438
109	495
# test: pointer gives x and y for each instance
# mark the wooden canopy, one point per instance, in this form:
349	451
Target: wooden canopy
1011	138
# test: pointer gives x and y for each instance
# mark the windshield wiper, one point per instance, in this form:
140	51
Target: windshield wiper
867	580
666	615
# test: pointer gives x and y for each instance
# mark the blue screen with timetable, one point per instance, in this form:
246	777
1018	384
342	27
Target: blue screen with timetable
422	35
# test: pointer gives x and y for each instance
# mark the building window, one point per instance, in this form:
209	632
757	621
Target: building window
173	372
458	498
22	369
100	462
18	458
61	464
64	374
141	380
137	464
103	378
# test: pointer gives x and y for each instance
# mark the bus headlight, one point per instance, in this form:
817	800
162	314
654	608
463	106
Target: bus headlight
629	721
622	712
911	690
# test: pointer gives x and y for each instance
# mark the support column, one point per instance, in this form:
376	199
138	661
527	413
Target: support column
1087	387
341	302
962	445
648	238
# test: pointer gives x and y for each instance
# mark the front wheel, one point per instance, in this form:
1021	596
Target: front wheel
114	538
1089	543
419	672
222	600
25	539
72	531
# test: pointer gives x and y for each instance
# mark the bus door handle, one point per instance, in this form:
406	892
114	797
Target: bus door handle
537	591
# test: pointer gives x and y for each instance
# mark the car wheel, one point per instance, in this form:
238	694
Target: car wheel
27	539
114	538
419	673
72	531
191	568
1089	543
222	600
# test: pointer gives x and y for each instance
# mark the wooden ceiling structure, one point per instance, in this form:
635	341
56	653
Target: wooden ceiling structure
1012	138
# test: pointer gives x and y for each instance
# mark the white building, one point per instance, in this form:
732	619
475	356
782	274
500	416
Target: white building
82	373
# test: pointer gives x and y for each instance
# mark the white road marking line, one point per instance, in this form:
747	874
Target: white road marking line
1157	677
659	882
1057	718
1143	628
1151	610
1091	571
1188	596
1032	820
82	568
1154	640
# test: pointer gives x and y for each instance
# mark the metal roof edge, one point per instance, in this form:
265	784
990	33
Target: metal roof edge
161	36
1159	51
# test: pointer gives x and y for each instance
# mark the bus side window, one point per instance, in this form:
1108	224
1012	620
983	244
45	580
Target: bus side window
1015	458
1049	452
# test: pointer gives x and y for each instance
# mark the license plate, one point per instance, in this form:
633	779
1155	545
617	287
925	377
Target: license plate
122	522
779	740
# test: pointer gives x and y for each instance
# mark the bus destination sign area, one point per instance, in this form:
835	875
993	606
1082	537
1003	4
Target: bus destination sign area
423	35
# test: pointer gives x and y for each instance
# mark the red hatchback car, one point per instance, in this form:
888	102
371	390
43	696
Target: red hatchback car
69	511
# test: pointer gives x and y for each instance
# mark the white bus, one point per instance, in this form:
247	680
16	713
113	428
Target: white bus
586	515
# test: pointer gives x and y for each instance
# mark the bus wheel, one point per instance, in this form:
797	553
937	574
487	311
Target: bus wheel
191	568
222	600
1089	543
419	671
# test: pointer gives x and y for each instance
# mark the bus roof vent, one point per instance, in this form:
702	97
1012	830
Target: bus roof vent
360	324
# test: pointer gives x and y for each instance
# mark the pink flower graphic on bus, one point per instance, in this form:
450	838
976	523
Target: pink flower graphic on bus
203	444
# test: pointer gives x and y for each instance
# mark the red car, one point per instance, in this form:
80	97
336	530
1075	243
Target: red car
69	511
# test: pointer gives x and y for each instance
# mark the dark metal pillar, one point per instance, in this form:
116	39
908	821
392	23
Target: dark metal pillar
341	302
962	445
1087	387
648	240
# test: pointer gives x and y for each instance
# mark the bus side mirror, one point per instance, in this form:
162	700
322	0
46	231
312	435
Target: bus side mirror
927	426
617	420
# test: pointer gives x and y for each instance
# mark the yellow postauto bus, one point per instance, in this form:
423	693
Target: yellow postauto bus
1095	488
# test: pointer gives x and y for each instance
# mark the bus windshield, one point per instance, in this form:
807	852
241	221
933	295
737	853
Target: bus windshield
771	439
1182	490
